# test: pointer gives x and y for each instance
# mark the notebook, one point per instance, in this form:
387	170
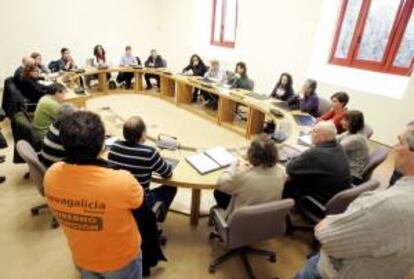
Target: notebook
257	96
211	160
304	120
282	105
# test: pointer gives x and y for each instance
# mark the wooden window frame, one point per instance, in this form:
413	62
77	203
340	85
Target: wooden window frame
221	42
404	13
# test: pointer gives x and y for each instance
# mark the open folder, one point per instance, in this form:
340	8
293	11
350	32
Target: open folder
211	160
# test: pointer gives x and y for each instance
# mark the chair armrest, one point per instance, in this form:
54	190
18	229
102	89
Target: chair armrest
219	219
313	206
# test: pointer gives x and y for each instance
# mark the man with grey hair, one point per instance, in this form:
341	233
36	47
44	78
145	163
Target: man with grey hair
374	237
52	147
17	77
320	172
396	175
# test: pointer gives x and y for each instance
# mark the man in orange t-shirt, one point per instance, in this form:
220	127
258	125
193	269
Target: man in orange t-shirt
94	204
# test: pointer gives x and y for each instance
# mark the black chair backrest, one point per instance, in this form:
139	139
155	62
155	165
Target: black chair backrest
13	99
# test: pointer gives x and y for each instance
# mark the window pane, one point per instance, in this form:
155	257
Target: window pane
381	17
348	27
217	23
406	52
231	21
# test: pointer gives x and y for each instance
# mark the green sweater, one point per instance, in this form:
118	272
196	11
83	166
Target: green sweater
45	114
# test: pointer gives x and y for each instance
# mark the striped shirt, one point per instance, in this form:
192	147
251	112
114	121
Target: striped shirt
52	148
141	160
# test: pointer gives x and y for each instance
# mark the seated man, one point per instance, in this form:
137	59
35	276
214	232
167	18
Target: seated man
142	160
338	110
66	62
94	204
320	172
258	181
127	60
52	148
373	238
47	108
18	74
153	61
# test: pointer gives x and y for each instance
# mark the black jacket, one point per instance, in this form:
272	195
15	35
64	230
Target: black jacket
32	90
285	97
158	62
198	70
320	172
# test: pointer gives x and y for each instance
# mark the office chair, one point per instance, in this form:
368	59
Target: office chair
313	211
37	171
237	233
324	106
376	158
367	131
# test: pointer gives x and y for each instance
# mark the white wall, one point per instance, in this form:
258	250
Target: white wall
48	25
277	36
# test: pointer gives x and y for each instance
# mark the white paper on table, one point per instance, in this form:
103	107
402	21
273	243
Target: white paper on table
221	156
202	163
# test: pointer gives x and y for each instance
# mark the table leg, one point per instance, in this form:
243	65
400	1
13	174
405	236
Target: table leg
195	206
138	82
103	82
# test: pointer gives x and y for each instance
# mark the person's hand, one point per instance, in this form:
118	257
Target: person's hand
237	76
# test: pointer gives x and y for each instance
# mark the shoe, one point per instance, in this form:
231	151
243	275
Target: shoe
2	179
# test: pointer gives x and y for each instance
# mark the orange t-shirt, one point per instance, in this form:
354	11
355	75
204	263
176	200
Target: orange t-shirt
93	204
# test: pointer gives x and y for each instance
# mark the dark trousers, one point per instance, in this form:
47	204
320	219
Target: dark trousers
396	175
164	193
209	97
125	77
148	78
222	199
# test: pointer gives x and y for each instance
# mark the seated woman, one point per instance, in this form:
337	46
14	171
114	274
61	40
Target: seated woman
100	62
309	103
355	144
258	181
37	57
284	88
240	80
338	110
196	67
30	86
217	75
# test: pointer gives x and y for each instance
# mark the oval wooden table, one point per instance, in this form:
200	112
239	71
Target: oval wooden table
171	112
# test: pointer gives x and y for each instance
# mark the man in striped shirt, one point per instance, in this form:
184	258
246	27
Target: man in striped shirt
52	148
142	160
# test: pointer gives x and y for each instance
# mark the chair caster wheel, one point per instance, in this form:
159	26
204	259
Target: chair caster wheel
211	269
272	259
34	212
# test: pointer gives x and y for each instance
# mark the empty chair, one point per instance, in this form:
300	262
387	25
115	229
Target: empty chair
376	158
36	170
247	226
367	131
314	211
324	106
250	85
